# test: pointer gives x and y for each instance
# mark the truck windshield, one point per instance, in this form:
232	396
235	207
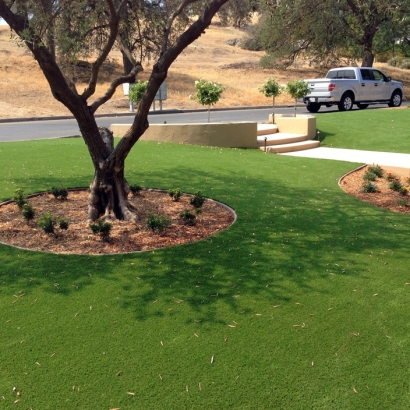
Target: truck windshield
346	74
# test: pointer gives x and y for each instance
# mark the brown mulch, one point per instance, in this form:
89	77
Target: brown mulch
125	236
384	197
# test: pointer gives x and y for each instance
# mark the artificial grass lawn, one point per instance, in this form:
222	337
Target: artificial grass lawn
386	130
301	303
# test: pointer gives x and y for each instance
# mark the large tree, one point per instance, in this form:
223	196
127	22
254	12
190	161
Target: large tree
58	32
325	30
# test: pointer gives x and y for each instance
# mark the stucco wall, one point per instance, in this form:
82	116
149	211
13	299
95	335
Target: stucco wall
301	124
230	135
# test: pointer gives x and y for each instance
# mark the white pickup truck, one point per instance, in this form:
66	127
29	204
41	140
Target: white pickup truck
347	86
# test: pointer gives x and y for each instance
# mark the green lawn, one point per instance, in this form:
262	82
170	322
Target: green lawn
385	130
302	303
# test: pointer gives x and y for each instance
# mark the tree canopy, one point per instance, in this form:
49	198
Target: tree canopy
60	32
331	31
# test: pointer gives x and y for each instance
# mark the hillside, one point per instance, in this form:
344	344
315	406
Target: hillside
25	93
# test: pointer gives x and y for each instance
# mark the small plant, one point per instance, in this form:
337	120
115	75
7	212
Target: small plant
197	200
47	222
208	93
137	90
369	187
369	176
271	89
404	190
175	194
135	189
59	192
297	89
402	203
28	212
391	177
395	185
102	228
158	223
19	198
188	217
375	169
63	224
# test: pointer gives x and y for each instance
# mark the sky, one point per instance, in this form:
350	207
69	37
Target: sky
2	22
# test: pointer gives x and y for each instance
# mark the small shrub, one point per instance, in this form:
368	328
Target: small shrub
395	185
402	203
375	169
405	64
175	194
59	192
390	176
197	200
47	222
394	61
188	217
404	190
158	223
369	187
369	176
63	224
19	198
101	228
28	212
137	91
135	189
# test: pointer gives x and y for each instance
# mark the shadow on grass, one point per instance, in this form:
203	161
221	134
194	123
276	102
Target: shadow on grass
294	229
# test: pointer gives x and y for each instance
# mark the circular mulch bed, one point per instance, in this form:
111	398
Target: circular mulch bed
386	198
125	236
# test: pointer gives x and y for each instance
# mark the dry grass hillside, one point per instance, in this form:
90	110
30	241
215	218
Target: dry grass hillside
24	91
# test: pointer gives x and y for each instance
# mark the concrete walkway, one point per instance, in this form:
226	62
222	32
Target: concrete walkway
387	159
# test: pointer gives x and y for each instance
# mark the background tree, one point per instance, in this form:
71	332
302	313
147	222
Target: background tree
329	31
90	29
237	13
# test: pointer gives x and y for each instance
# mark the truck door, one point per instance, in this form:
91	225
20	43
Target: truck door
367	87
382	87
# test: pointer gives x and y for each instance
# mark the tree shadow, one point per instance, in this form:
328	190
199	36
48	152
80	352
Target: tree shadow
294	227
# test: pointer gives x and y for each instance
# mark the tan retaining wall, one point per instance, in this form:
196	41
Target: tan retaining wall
301	124
229	135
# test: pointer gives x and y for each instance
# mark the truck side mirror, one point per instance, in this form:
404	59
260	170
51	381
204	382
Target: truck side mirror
388	79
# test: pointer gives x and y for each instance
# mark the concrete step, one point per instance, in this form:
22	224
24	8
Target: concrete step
295	146
280	138
264	129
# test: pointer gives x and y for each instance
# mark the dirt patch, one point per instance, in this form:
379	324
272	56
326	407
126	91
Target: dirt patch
125	236
384	197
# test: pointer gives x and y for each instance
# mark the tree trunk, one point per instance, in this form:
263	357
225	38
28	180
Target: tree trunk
367	58
109	190
127	64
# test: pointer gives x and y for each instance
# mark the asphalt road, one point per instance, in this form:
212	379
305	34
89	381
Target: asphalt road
43	129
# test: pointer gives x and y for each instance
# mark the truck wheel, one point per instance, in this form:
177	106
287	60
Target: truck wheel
346	103
313	107
361	106
395	100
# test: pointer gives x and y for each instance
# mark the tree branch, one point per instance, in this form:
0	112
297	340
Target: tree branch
130	78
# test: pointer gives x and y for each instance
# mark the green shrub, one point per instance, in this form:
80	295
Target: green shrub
402	202
28	212
63	224
102	228
369	176
395	61
47	222
369	187
197	200
375	169
137	90
188	217
158	223
59	192
19	198
175	194
135	189
396	185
